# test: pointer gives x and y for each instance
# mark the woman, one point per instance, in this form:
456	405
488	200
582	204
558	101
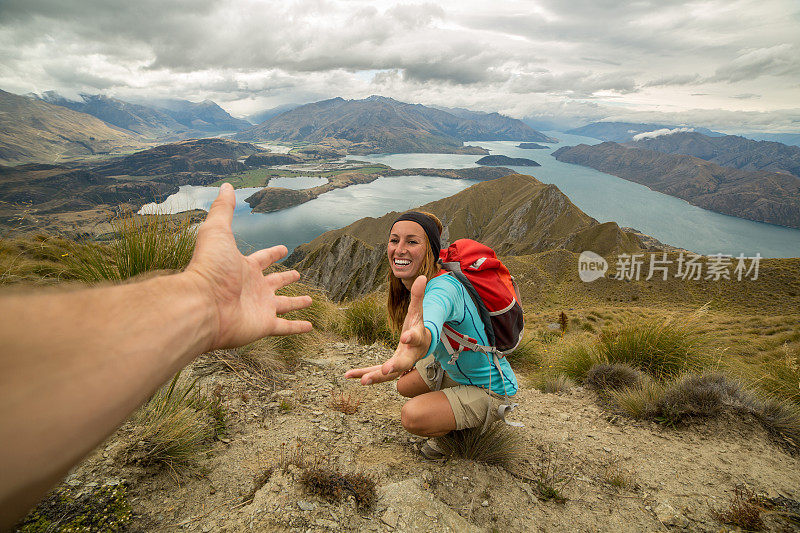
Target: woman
446	393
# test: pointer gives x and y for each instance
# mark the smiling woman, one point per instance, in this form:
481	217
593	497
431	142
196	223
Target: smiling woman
448	392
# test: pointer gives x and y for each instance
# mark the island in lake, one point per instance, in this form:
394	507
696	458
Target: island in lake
532	146
498	160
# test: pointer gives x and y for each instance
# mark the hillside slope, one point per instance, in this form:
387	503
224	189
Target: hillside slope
514	214
35	131
761	196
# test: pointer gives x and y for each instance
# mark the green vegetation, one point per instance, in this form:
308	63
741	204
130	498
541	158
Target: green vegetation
104	508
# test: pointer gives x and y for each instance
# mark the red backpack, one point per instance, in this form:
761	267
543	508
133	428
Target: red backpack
494	292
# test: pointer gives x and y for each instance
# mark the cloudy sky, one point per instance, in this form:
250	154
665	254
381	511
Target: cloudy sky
732	65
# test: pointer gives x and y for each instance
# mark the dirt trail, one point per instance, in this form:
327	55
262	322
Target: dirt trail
673	476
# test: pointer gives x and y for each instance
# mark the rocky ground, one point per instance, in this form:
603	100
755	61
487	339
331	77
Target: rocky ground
619	475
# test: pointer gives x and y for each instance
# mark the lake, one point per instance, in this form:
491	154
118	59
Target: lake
602	196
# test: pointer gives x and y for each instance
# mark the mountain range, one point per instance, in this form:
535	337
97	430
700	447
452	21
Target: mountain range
760	195
515	215
33	130
379	124
728	151
166	119
625	131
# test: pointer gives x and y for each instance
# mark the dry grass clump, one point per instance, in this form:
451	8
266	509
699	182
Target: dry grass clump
141	244
175	427
41	259
698	396
366	320
498	445
550	384
334	486
345	402
553	475
618	476
744	510
780	377
258	364
614	376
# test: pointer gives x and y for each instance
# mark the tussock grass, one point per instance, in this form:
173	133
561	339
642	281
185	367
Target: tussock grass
175	426
141	244
618	476
322	313
615	376
574	358
550	384
702	396
498	445
637	402
366	320
257	364
661	348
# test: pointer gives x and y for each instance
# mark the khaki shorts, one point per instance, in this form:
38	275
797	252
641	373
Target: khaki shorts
470	404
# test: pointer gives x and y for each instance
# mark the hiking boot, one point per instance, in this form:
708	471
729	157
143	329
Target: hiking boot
430	450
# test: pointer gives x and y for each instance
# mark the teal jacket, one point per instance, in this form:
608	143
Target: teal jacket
447	301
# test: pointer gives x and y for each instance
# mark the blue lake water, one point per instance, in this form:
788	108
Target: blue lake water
602	196
332	210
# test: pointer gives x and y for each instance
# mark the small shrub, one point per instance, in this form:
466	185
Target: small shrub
744	510
345	402
661	348
285	406
615	376
550	384
334	486
366	319
497	445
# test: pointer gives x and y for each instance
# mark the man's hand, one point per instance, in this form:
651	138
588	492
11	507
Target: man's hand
243	298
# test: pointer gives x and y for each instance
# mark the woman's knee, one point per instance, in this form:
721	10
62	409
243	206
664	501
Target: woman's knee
412	418
411	385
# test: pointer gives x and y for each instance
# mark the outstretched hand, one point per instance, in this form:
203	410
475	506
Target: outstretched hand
243	297
415	340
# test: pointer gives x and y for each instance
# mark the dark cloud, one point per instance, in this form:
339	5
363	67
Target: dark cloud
779	60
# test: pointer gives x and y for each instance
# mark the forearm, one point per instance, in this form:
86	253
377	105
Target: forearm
75	365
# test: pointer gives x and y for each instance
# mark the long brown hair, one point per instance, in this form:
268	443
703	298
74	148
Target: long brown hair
399	296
